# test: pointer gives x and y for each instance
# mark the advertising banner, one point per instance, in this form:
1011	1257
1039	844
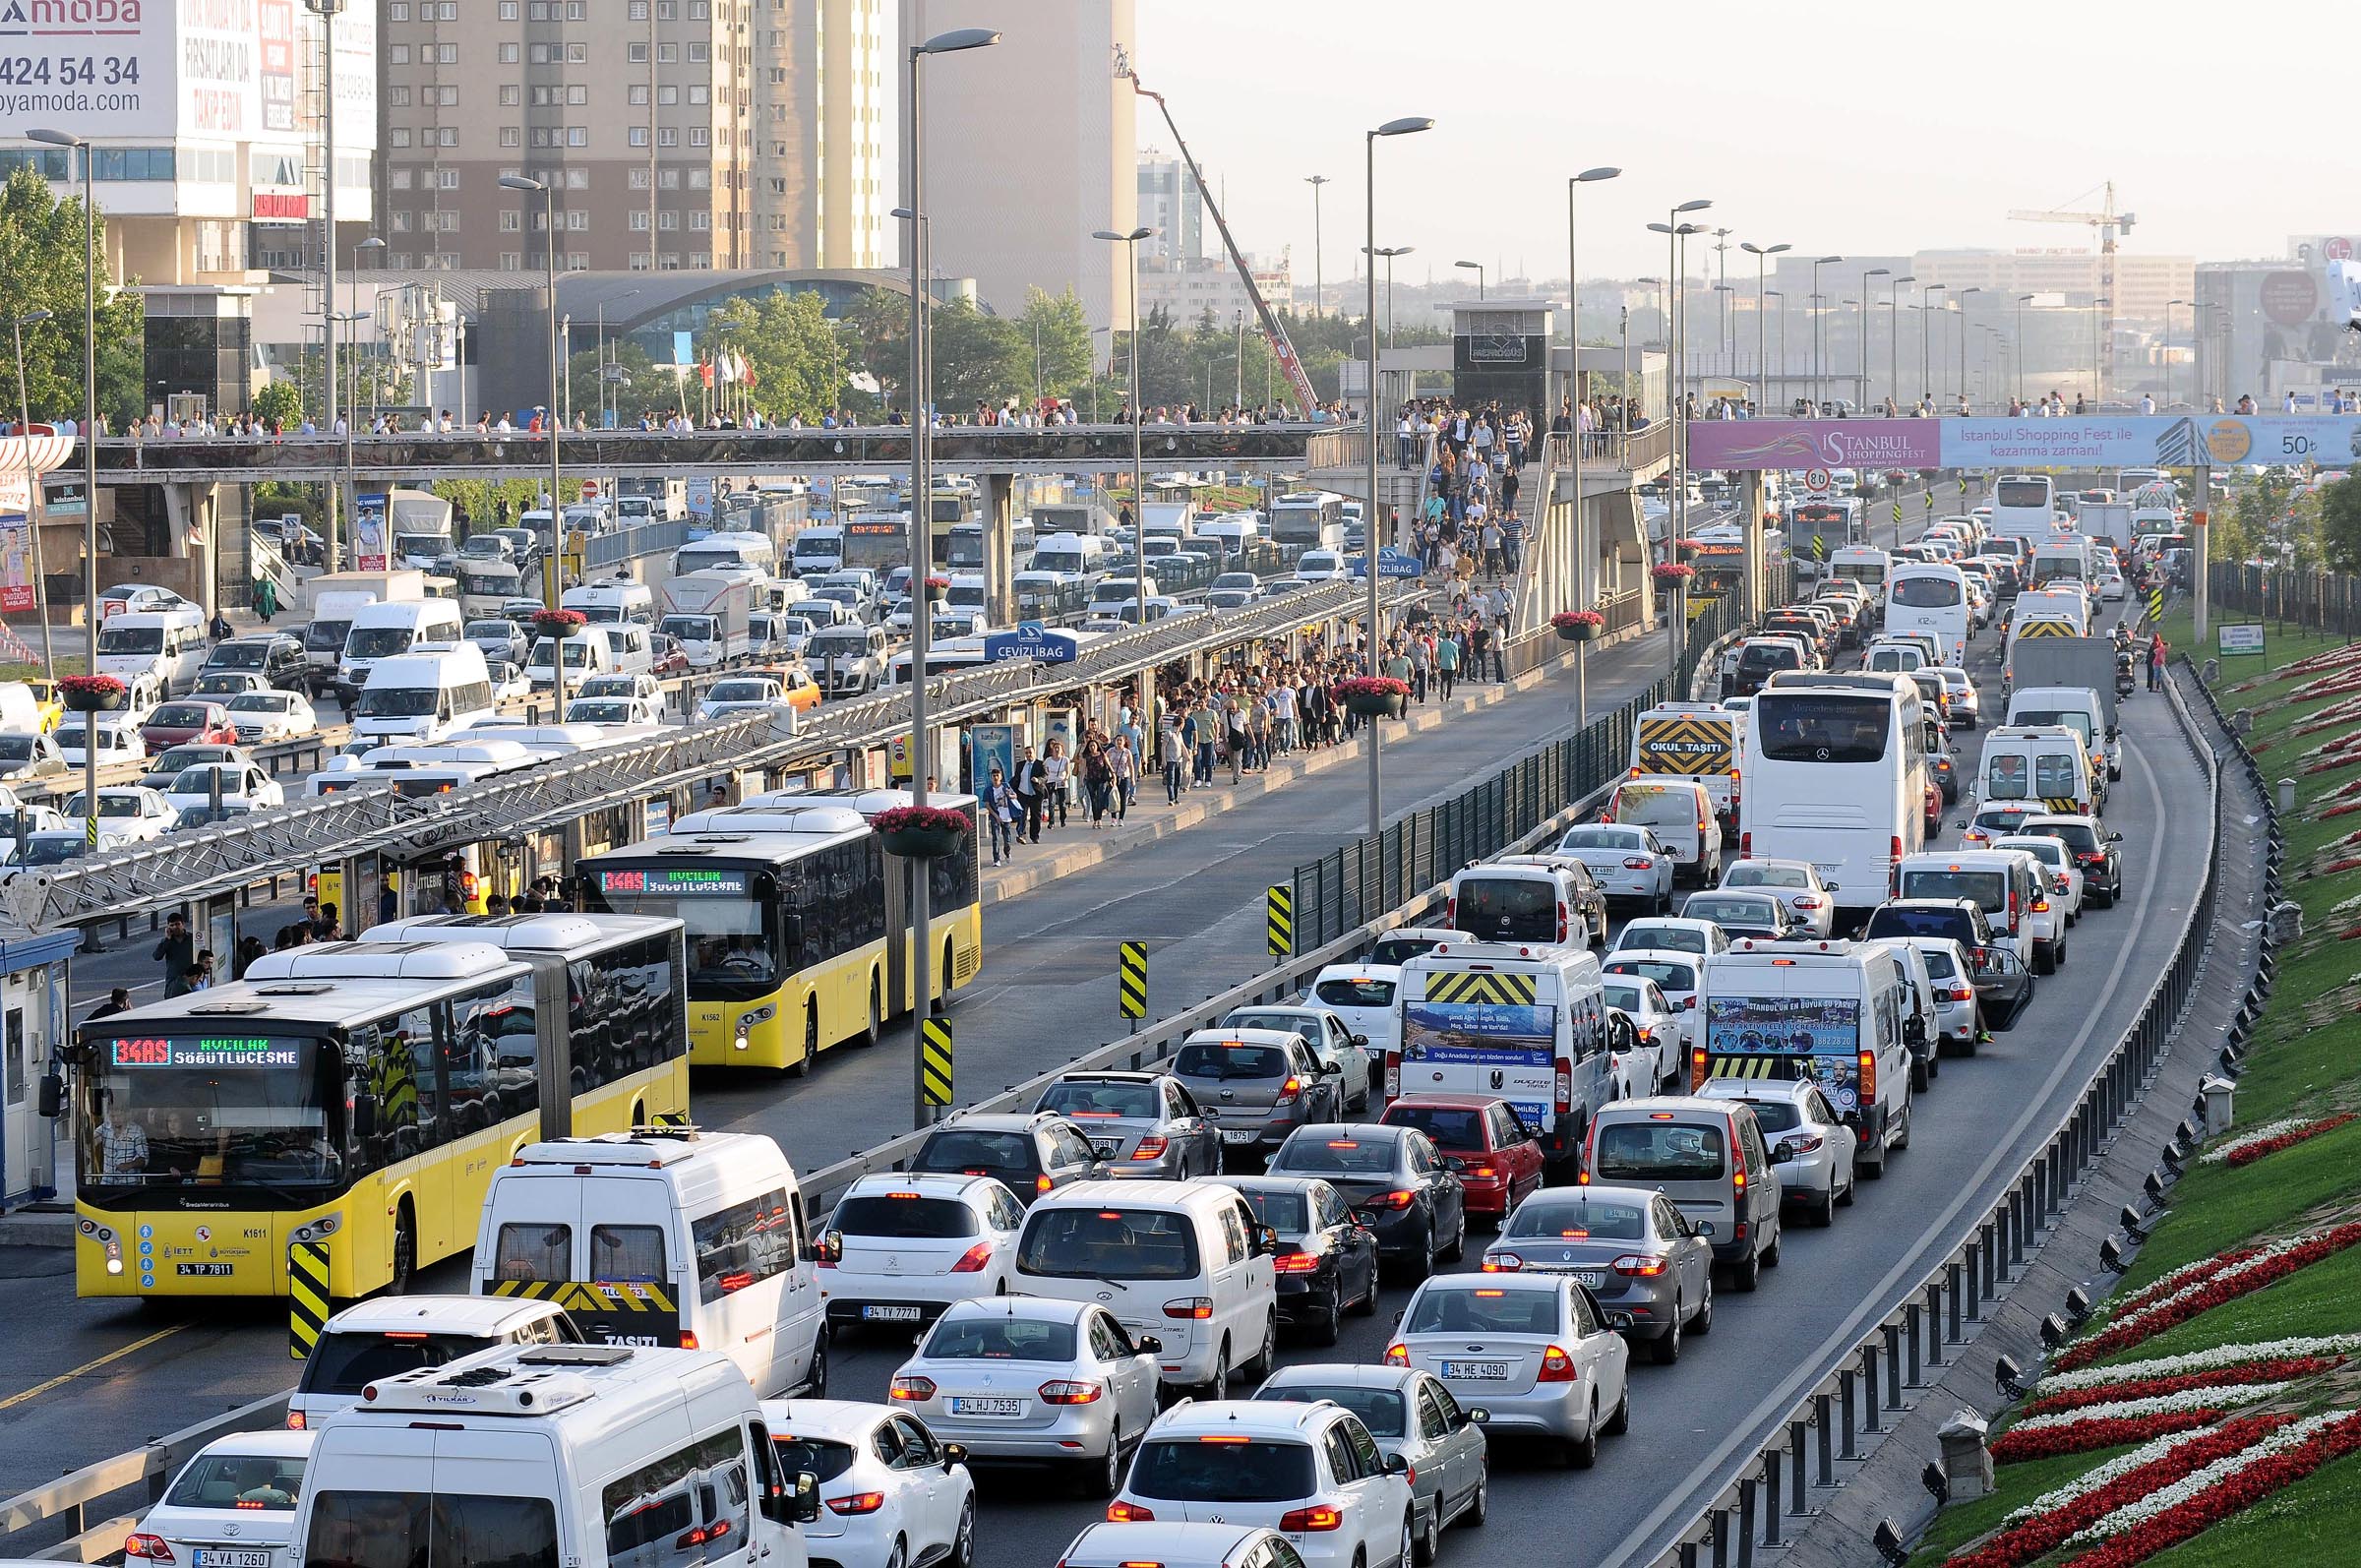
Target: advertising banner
2226	441
16	548
369	530
1515	1046
1815	444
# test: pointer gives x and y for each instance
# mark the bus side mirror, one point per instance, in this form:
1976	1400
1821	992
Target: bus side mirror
364	1117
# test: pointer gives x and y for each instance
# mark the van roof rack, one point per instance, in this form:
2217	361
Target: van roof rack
574	1355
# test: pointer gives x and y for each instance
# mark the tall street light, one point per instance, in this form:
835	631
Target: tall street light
1761	253
33	482
1783	328
1139	551
1676	290
2168	309
1666	321
1722	334
1477	268
1819	391
557	511
90	463
922	556
1386	253
2099	383
1868	304
1894	338
1319	282
1961	329
2024	300
1925	367
1372	514
1585	552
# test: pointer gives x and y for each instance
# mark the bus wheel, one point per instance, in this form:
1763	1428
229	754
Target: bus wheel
406	1249
875	1030
639	1113
800	1066
943	976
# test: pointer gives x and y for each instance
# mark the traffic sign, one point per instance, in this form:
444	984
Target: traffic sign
306	1296
1391	563
1279	921
1815	479
1131	979
1819	548
934	1065
1032	640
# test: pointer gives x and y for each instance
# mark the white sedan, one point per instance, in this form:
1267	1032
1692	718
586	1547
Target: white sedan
890	1492
240	1489
242	785
118	742
127	813
1534	1349
1624	859
1650	1052
745	693
266	716
903	1246
1811	1147
1798	884
2066	878
1674	975
2110	586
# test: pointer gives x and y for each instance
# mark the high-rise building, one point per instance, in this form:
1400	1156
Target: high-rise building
1171	202
675	132
1030	146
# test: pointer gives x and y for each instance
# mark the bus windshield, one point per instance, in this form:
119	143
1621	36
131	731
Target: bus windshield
1822	727
2021	493
733	941
193	1109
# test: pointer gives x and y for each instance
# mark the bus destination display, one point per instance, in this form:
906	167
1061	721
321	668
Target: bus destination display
674	881
183	1050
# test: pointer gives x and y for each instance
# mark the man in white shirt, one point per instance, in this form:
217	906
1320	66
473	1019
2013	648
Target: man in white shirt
2289	406
2148	404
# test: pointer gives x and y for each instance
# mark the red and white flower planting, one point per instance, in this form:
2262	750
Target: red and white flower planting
2223	1378
2173	1513
2212	1359
2118	1421
2156	1313
2270	1138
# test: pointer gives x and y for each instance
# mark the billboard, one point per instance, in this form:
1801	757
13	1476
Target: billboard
2160	441
369	530
1803	444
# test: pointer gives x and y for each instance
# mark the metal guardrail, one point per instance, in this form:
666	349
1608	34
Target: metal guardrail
1909	1347
67	1503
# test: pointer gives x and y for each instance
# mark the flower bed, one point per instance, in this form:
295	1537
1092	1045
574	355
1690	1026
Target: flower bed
2211	1358
2034	1530
2185	1275
2272	1263
2273	1136
2145	1388
2202	1498
2084	1436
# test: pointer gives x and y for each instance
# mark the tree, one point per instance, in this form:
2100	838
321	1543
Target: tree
876	333
977	358
489	502
279	402
1059	335
2340	524
797	357
642	385
42	241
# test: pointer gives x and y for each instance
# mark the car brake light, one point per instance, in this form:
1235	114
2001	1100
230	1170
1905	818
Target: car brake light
1557	1368
1638	1265
1451	912
972	1261
1638	863
1564	924
2088	858
1066	1392
2012	906
1807	901
1397	1355
1502	1263
1197	1307
1868	1077
1306	1520
857	1503
689	1339
2040	906
1122	1513
1963	994
1746	843
1697	1067
913	1388
144	1547
1397	1200
1041	1183
1393	1074
1564	1091
1151	1147
1808	1144
1486	1173
1295	1262
1893	847
1289	1090
296	1422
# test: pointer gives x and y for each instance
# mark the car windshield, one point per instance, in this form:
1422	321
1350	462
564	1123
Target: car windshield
199	780
1108	1244
1224	1060
981	1153
1283	1212
905	1216
1448	1126
180	717
598	712
1336	1156
999	1336
1765	876
2041	846
1621	840
492	630
261	702
131	639
1659	1151
265	1483
397	702
1086	1098
367	642
346	1363
1380	1409
1356	990
1223	1469
1667	975
1582	1219
1460	1309
1678	938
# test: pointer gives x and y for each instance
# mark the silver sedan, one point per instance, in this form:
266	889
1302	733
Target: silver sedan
1624	859
1795	882
1415	1418
1029	1378
1650	1270
1535	1352
1811	1148
1141	1123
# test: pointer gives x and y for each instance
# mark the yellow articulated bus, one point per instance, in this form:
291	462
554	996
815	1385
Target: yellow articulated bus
798	922
360	1095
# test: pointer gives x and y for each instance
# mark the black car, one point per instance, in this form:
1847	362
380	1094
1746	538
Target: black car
2094	850
1327	1263
1396	1182
273	655
1030	1154
2004	985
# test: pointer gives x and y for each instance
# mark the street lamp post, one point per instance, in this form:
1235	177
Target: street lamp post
1783	328
1925	367
1819	391
1319	282
1761	253
2099	383
2024	300
1586	552
90	463
1477	268
553	572
2168	309
922	457
1894	338
1722	328
1389	253
33	484
1960	300
1868	307
1139	540
1372	516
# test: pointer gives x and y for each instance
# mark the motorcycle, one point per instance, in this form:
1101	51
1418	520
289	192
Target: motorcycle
2126	680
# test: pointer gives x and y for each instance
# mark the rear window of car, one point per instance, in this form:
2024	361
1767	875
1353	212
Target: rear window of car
1988	889
1939	963
1355	992
824	1459
1587	1220
1336	1156
1087	1100
1764	877
975	1152
268	1483
1667	976
1659	1151
1659	807
1448	1126
1627	999
1283	1212
1000	1339
1776	1116
346	1363
1077	1243
908	1219
1217	1470
2074	835
1623	840
1890	921
1480	1309
1728	911
1380	1409
1678	939
1215	1059
1485	901
1400	950
1767	656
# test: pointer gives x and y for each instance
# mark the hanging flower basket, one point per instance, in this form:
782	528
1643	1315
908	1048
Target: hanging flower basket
1674	573
93	694
1373	696
558	622
939	585
1578	626
920	832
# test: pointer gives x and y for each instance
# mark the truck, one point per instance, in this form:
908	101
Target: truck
2080	662
333	596
1068	516
1692	739
420	525
2108	521
651	499
708	612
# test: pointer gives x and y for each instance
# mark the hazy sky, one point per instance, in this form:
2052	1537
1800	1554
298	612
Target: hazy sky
1840	124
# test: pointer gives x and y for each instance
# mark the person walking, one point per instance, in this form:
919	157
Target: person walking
266	599
1000	807
1447	661
1057	771
1173	745
2156	655
1098	780
177	952
1234	738
1029	786
1123	763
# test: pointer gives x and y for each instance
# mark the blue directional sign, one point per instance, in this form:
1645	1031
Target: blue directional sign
1032	640
1391	563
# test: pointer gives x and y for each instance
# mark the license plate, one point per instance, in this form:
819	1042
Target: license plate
1477	1371
988	1407
1237	1134
1105	1146
220	1557
889	1314
1594	1277
204	1270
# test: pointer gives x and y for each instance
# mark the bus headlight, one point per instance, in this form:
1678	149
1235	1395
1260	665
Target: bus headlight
319	1230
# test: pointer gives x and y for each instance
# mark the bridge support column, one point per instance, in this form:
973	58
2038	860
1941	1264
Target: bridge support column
999	566
1750	524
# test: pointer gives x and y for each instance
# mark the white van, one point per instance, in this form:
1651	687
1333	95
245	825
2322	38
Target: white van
383	630
2006	883
164	650
20	712
1695	1151
817	550
423	695
1682	811
1931	597
330	624
1523	1021
594	1456
2077	707
619	647
1191	1245
371	1341
612	602
2040	762
688	1239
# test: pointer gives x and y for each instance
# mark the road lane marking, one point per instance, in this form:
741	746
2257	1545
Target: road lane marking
87	1367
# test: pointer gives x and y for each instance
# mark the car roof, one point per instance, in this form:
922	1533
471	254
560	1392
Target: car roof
937	1183
789	1419
1669	955
1532	1282
1251	1036
998	1120
449	1314
1051	1308
1445	1099
1163	1539
1754	1088
1355	970
269	1441
1266	1417
1351	1374
1552	1197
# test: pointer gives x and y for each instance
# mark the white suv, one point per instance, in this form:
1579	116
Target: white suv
1311	1471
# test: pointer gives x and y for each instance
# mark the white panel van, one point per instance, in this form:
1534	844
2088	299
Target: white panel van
383	630
423	695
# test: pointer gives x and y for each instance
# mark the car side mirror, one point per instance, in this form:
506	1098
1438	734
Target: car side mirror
1148	1345
953	1454
1454	1162
2114	838
1361	1039
1397	1465
1331	1070
1476	1416
829	1249
803	1505
1266	1242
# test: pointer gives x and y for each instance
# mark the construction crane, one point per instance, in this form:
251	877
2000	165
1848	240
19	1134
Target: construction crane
2110	225
1273	331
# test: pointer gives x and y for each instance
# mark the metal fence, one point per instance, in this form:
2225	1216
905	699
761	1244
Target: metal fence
2324	601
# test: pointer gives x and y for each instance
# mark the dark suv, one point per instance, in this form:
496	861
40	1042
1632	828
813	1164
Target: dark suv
2094	850
2003	986
1030	1154
273	655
